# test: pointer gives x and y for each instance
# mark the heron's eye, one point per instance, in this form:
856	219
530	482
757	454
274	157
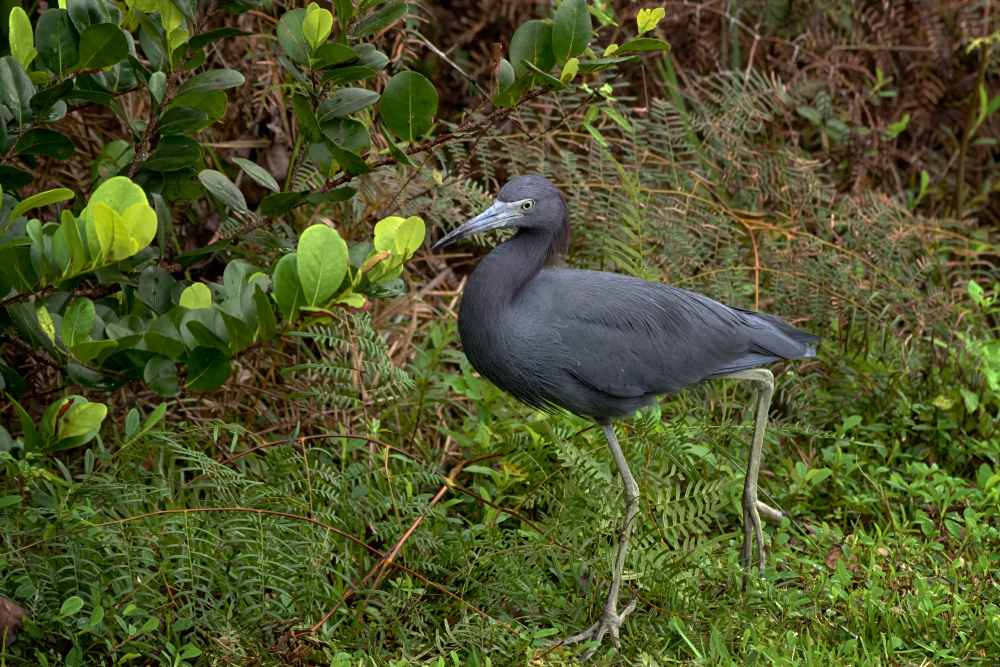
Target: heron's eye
526	206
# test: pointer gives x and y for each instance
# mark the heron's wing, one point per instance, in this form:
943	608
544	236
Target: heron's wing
628	337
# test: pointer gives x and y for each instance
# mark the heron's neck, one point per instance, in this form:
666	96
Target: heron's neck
508	268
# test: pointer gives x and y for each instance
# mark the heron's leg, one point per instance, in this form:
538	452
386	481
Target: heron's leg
611	620
753	508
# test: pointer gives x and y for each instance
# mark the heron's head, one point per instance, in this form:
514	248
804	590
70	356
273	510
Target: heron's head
527	202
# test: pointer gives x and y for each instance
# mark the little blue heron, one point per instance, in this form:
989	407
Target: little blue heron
602	345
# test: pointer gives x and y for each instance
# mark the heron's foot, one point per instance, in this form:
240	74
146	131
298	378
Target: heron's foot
752	529
609	622
770	514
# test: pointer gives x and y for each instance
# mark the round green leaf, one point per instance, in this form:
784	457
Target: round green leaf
196	296
181	120
532	42
349	134
56	41
408	102
321	263
208	368
571	30
102	45
174	153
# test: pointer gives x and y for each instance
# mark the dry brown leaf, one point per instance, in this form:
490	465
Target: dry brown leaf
12	617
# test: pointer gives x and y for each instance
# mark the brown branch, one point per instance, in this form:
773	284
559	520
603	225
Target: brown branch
41	355
171	86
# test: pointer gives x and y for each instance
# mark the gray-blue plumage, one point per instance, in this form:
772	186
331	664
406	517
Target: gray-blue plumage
598	344
602	345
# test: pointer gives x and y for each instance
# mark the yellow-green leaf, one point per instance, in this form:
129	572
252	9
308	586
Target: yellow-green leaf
140	221
385	233
81	419
41	199
648	18
22	40
409	236
196	296
317	25
45	321
321	262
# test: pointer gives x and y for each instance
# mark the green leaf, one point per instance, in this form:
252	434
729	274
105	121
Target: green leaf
370	57
73	604
96	617
258	174
510	96
543	78
81	419
332	55
308	127
345	102
571	30
379	20
219	185
345	11
321	263
12	178
174	152
74	240
409	236
345	75
317	25
102	45
532	42
291	38
16	91
160	375
276	205
22	39
349	134
41	199
208	369
42	141
287	290
397	151
44	99
182	120
644	44
332	196
45	321
203	39
85	13
267	326
211	81
408	101
57	41
349	162
195	296
78	322
9	501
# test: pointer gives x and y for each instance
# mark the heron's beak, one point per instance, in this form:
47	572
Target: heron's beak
497	216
